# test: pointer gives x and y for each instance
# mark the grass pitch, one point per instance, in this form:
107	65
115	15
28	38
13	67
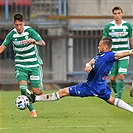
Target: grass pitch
68	115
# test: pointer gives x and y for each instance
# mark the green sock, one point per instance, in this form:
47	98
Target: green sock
30	107
120	88
23	88
113	86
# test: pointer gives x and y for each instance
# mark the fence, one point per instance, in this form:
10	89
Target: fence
32	9
64	57
69	44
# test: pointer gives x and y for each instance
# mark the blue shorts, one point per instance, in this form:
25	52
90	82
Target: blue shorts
85	90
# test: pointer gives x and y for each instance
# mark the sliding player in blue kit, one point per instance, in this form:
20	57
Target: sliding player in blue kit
98	69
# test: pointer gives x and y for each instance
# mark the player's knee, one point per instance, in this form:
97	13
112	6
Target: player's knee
38	91
63	92
121	76
111	100
112	79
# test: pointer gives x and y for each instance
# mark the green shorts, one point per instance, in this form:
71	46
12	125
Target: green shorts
34	75
119	67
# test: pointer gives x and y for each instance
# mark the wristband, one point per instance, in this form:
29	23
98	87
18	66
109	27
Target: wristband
88	64
130	52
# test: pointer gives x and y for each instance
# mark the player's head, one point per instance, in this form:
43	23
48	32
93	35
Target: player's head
117	8
19	22
105	45
117	13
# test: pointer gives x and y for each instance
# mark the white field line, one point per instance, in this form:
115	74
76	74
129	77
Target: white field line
70	126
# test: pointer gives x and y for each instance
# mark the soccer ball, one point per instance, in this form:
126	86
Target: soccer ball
22	102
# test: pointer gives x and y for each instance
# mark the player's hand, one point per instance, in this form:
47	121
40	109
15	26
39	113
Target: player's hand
40	43
32	41
88	67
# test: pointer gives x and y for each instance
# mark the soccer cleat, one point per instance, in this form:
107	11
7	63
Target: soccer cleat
33	114
31	97
131	92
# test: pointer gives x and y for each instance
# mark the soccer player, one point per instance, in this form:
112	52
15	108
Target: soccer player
98	69
121	33
27	57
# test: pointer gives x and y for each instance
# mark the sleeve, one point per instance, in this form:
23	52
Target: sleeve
130	30
8	40
105	31
34	34
110	56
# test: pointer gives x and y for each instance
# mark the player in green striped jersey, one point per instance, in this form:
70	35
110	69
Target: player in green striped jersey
120	32
25	41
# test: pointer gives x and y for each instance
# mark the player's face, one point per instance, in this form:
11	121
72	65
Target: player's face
101	47
19	26
117	15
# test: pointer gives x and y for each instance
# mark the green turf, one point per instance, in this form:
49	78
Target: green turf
68	115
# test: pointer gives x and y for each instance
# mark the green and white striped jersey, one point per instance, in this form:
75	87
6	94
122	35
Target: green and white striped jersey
119	34
26	55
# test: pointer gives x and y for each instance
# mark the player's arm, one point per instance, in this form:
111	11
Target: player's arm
40	43
105	32
2	48
35	38
123	54
88	66
130	35
131	42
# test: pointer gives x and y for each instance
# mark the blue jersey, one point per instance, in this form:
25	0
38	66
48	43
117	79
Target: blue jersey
102	65
96	81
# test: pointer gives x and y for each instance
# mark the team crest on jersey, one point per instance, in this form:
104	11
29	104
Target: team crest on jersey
26	37
124	30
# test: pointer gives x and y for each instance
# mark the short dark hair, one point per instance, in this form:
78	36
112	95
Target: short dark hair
117	8
19	17
107	41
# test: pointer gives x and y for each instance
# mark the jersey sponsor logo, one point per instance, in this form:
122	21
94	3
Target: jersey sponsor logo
120	34
24	42
112	33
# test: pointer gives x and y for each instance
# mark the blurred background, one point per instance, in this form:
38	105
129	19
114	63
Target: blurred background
71	29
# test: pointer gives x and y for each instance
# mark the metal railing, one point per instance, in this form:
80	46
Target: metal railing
32	9
67	52
64	57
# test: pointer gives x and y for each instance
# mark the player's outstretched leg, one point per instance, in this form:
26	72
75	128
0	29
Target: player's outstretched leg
50	97
120	104
43	98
